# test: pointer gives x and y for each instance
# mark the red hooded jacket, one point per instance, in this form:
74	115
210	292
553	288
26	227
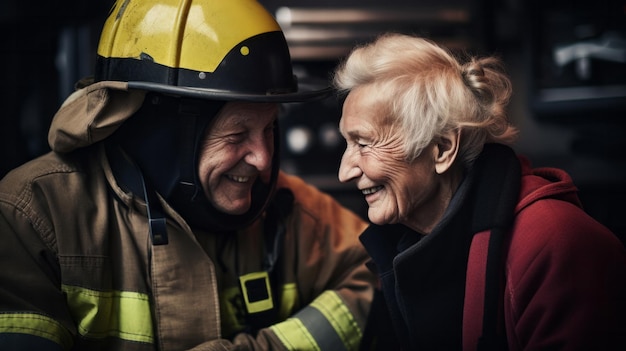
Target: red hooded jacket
553	278
565	285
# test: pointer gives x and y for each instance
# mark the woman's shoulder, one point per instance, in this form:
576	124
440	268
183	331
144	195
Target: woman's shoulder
556	232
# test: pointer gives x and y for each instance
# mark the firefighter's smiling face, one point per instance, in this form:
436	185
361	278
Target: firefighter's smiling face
237	149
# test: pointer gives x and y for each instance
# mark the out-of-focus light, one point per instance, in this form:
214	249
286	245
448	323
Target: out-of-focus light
329	135
299	139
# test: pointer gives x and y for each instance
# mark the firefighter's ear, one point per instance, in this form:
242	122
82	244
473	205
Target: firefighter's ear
446	150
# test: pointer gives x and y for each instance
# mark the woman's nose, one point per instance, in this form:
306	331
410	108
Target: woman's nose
348	169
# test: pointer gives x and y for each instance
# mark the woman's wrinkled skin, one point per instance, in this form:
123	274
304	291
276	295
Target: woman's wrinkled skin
413	193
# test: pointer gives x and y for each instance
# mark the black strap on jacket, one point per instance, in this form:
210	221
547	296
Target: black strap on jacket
128	174
498	185
274	236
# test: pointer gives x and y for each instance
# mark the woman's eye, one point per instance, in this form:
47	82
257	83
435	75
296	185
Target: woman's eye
361	144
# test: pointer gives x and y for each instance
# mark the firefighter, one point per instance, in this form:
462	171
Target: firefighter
161	220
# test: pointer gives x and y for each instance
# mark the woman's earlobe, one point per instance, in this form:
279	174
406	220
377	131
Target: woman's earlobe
447	147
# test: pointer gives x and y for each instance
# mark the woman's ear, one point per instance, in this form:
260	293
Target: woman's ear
447	147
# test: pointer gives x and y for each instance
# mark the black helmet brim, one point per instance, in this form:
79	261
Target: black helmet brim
307	91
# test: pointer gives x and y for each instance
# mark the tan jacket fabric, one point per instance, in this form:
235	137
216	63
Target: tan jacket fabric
65	221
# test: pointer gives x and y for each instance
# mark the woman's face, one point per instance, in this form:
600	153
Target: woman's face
396	191
237	149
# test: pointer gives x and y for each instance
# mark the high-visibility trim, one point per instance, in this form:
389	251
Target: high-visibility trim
326	324
288	300
122	314
338	314
37	325
294	335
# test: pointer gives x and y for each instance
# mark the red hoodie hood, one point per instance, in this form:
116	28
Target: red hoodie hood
541	183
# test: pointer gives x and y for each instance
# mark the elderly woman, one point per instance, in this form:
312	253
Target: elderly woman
474	249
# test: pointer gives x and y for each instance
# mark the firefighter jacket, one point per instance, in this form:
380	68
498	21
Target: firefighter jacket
515	263
80	270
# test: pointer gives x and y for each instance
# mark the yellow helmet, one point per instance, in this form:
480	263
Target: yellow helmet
210	49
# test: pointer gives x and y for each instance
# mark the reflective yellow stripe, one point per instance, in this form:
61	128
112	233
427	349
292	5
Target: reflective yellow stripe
326	321
122	314
340	317
294	335
288	300
36	324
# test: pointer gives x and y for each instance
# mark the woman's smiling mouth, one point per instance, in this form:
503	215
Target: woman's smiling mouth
371	190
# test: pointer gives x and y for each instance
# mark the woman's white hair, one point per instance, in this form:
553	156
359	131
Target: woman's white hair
426	92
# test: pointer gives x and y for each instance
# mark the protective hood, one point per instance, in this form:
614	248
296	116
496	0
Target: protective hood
162	142
92	113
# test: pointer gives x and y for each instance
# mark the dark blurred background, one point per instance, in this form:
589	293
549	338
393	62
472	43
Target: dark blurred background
567	60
